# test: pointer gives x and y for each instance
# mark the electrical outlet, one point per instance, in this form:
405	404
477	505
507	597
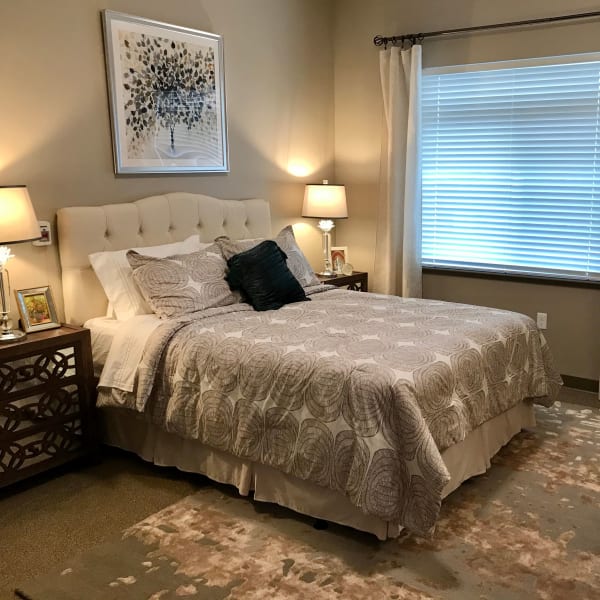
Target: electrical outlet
46	234
542	321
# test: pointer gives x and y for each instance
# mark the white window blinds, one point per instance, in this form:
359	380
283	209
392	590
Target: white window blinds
511	168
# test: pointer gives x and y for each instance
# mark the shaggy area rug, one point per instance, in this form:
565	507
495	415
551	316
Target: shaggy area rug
529	528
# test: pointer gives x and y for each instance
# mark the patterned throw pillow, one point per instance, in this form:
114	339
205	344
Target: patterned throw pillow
229	247
182	284
296	261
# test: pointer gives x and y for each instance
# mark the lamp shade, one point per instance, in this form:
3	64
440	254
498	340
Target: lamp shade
18	222
325	201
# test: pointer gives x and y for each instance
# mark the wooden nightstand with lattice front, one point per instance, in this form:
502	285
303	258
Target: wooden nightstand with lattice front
46	402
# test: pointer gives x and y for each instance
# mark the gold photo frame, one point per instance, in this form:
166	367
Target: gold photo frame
37	309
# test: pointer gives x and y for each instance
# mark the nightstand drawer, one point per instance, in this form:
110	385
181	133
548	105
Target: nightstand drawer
53	444
19	415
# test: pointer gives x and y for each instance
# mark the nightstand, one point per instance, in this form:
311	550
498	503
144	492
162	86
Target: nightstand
46	402
358	281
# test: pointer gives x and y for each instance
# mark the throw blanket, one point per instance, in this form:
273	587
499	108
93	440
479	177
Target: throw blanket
356	392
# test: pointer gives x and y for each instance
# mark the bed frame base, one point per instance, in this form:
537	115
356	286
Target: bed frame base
130	431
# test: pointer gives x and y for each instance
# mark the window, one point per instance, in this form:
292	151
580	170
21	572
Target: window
511	167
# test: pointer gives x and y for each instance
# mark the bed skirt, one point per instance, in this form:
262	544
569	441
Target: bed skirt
130	431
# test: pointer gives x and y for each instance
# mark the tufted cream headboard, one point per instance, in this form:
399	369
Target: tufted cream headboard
83	230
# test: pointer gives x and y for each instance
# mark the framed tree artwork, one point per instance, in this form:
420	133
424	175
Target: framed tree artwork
167	96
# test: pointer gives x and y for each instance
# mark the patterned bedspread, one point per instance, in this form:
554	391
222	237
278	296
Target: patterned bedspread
355	392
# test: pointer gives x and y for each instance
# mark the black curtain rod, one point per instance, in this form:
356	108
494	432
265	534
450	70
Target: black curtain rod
379	40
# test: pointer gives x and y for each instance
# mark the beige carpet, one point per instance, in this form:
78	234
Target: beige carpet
49	519
526	529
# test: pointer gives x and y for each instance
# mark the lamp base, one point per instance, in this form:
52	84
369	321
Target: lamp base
12	335
327	273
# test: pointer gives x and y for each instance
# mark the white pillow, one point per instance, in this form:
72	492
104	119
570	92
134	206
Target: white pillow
115	274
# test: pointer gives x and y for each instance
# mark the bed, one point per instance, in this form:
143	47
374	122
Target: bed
380	383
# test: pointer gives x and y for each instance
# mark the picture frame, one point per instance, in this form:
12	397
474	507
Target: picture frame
166	88
37	309
341	253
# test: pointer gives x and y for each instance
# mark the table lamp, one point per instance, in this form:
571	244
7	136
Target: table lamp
18	223
325	202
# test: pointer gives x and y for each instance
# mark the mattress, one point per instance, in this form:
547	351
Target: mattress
118	346
357	393
131	431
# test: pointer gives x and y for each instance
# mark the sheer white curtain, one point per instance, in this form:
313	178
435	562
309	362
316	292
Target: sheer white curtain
398	249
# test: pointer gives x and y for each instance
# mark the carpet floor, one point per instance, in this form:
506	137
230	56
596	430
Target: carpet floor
528	528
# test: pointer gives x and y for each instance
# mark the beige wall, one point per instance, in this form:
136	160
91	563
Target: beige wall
55	128
282	71
573	313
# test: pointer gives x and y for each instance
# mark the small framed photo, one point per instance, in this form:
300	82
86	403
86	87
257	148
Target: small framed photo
339	257
37	309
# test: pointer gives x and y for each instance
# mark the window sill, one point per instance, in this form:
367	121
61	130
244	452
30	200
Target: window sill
535	279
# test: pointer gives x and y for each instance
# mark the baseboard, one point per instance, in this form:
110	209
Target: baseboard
580	383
